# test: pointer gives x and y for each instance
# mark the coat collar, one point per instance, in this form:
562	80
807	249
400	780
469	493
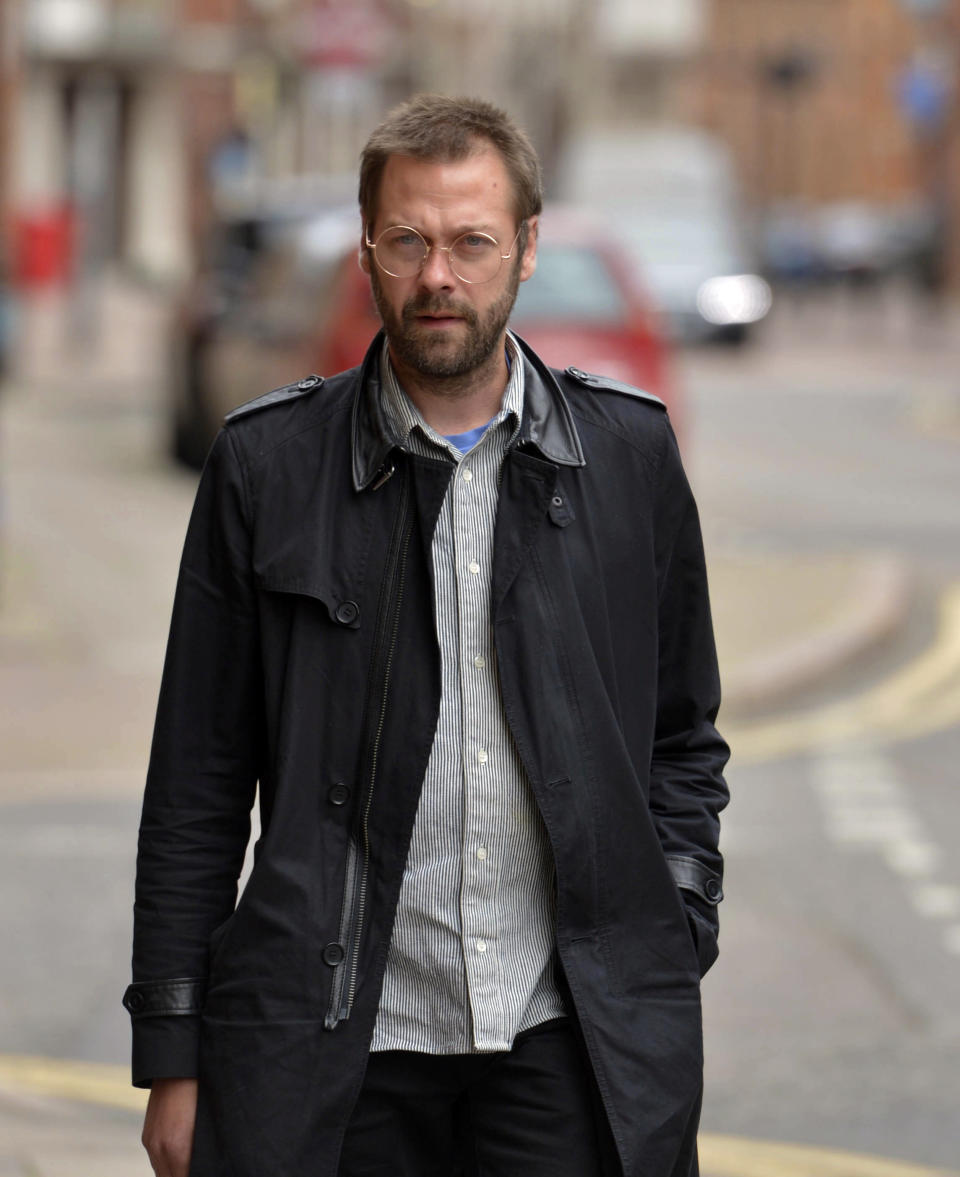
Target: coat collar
547	424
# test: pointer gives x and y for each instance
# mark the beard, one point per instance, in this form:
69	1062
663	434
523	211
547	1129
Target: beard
432	355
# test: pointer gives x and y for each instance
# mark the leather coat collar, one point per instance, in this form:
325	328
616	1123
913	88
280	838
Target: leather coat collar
547	424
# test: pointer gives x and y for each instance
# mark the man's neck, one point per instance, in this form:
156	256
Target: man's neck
457	404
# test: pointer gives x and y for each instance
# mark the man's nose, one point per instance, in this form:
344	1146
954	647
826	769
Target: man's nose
436	273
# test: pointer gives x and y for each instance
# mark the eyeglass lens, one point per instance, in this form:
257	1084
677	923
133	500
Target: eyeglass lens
401	252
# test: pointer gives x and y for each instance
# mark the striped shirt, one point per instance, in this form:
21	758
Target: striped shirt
470	962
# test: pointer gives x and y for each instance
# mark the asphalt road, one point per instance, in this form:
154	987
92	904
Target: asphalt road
831	1017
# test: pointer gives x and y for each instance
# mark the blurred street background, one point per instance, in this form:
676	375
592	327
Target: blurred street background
754	212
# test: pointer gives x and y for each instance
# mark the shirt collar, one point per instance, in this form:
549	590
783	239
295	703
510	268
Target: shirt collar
547	424
403	416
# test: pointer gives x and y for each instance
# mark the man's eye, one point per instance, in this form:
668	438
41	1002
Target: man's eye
404	241
475	243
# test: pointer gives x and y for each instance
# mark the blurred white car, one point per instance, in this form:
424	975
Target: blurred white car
670	197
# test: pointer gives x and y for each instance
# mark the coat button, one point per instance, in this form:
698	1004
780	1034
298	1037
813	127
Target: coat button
308	382
339	794
135	1002
333	955
347	612
714	890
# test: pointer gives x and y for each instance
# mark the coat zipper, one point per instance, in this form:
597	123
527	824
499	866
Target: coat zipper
353	908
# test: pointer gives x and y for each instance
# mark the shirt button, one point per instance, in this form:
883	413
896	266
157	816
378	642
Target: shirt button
467	474
482	755
479	662
481	946
474	567
481	852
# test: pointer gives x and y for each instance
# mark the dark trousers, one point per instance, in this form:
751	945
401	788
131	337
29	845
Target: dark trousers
532	1111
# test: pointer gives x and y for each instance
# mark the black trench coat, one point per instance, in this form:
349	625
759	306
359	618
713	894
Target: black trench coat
303	655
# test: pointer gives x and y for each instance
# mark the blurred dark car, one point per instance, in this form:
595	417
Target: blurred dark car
857	243
306	307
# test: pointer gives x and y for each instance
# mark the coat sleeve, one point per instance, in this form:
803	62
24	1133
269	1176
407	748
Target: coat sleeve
202	775
687	787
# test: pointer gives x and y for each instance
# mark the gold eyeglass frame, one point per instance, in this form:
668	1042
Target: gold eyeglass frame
447	249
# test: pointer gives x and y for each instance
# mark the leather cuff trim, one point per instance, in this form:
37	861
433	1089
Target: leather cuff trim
161	999
690	875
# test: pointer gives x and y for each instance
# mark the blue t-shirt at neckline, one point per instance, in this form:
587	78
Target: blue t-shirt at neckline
466	441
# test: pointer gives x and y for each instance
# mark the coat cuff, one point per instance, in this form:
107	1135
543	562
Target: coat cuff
701	890
690	875
177	996
166	1028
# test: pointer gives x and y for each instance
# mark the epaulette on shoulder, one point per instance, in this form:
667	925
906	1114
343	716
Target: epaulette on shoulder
604	384
277	396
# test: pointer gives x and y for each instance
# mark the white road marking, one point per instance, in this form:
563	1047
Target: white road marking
913	859
862	800
936	900
865	807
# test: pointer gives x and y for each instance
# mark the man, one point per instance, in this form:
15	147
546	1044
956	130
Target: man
450	610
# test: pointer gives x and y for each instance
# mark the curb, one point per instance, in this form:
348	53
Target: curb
878	603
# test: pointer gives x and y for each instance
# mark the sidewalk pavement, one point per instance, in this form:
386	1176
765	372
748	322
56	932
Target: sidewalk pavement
785	622
95	640
41	1136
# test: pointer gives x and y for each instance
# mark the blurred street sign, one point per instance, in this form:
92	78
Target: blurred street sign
351	34
925	88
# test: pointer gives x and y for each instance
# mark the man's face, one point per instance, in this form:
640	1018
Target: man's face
438	325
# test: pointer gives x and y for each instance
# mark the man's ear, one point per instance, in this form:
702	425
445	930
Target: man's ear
528	263
363	257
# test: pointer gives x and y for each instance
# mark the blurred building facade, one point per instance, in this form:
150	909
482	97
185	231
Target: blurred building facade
93	154
838	100
805	93
126	124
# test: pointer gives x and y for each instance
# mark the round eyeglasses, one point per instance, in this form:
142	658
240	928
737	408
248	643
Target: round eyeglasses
474	257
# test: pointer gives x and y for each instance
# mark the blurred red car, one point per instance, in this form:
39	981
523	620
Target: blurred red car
312	311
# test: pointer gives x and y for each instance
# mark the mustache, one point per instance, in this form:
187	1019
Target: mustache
431	305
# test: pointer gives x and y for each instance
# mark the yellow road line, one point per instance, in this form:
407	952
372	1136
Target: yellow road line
720	1156
66	1079
922	697
732	1156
